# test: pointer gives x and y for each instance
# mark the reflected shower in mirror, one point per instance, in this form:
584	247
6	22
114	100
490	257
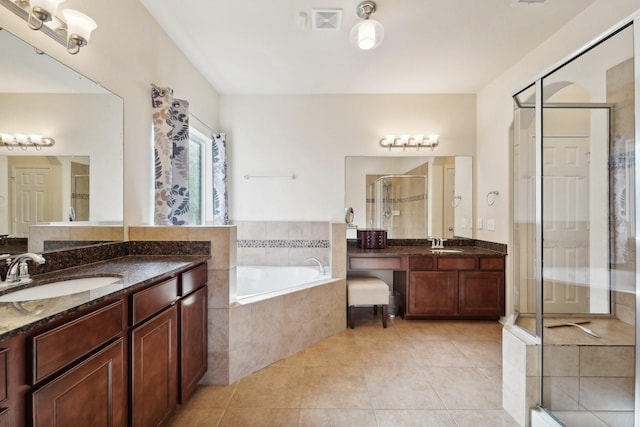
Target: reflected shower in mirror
411	197
42	96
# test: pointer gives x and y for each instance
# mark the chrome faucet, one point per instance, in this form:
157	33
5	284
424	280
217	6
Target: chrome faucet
18	271
437	243
317	261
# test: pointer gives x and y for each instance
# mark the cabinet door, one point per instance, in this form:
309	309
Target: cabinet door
193	341
481	294
154	369
432	293
90	394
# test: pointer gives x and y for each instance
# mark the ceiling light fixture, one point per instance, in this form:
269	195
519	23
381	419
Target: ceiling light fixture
367	34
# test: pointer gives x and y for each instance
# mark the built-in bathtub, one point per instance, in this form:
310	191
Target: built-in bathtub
255	283
276	312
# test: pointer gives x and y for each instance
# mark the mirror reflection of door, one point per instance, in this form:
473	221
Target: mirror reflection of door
31	198
79	192
449	195
566	228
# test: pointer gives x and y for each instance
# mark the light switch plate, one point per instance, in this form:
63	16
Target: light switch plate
479	223
491	224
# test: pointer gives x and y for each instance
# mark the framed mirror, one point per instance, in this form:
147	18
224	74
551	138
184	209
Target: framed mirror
411	197
76	181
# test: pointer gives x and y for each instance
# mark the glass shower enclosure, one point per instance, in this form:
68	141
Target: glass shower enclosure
574	235
398	204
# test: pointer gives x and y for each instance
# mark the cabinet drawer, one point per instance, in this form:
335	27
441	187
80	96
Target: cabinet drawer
3	374
492	263
193	279
57	348
456	263
148	302
92	393
421	263
375	263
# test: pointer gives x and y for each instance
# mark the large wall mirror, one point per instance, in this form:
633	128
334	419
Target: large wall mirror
411	197
78	180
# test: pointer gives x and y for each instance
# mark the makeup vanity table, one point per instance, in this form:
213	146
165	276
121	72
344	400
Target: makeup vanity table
455	282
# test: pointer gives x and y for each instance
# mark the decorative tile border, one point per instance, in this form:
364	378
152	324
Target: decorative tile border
284	244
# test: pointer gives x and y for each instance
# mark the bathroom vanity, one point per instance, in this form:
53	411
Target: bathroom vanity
461	282
125	356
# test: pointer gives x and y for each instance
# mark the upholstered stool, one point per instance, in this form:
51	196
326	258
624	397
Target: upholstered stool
367	291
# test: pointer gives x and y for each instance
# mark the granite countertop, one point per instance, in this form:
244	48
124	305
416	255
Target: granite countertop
134	271
423	250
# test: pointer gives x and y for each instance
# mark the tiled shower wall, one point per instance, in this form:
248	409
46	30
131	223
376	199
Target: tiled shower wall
282	242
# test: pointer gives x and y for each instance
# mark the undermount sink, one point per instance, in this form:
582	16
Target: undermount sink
64	287
446	251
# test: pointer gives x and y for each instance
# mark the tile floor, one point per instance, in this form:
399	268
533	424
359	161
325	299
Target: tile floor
413	373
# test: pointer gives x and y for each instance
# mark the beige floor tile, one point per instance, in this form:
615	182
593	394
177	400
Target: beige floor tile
196	417
439	353
211	396
337	418
334	387
478	418
482	354
272	387
414	418
253	417
464	388
395	387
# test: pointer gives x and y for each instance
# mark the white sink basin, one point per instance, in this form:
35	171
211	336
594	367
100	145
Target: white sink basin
446	251
64	287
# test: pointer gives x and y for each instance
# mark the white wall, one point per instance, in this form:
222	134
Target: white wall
127	53
311	135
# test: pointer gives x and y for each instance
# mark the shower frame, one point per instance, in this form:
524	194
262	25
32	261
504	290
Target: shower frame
537	84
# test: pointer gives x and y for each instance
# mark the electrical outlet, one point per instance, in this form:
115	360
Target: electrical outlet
491	224
395	212
479	223
463	223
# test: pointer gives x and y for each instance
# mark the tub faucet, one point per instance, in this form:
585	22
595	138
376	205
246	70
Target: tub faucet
317	261
18	271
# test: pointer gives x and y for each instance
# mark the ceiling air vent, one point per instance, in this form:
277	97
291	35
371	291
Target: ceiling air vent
326	19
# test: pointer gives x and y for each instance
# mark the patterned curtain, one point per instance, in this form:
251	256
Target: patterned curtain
171	157
220	196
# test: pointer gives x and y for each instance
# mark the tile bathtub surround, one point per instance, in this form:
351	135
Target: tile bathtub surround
283	242
368	376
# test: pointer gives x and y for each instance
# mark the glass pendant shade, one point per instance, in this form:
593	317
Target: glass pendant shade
367	34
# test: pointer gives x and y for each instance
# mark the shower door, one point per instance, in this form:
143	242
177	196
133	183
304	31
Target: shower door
400	205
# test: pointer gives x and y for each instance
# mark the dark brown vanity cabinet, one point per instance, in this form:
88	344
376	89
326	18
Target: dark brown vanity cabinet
126	361
454	287
90	394
97	381
193	330
154	354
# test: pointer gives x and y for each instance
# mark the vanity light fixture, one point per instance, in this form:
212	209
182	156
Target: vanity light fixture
79	28
25	141
41	11
406	141
368	33
72	30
